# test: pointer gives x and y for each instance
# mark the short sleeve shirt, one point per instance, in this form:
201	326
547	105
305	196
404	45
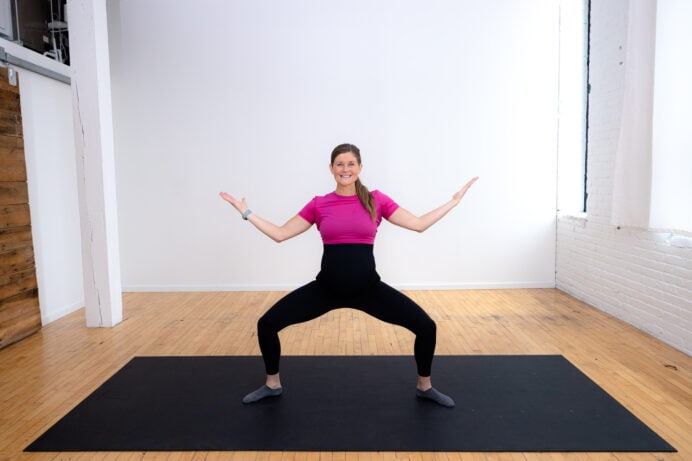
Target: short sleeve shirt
343	219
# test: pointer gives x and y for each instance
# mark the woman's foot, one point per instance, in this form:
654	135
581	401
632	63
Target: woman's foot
262	393
436	396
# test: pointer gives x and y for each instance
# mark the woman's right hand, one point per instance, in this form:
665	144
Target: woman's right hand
240	205
294	226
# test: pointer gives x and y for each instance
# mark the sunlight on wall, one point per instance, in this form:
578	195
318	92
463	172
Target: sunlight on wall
572	106
671	186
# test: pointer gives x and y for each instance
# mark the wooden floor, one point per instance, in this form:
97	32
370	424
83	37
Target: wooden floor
46	375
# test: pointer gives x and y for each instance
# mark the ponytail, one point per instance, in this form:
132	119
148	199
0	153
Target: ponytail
366	199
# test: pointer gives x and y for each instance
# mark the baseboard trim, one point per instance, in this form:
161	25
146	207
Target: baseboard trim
54	315
285	287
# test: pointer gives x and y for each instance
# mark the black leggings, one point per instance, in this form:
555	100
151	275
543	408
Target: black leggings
347	279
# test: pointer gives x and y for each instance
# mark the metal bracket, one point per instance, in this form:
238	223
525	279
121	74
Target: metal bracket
7	59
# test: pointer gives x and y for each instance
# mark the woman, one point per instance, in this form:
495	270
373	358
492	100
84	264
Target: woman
347	220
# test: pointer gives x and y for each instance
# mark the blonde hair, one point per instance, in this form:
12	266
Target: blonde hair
363	193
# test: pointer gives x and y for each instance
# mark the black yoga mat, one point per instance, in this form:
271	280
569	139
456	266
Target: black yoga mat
350	403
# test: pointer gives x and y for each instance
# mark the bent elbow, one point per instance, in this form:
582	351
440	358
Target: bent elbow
280	237
420	228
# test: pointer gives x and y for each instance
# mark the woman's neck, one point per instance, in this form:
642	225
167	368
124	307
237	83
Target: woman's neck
345	190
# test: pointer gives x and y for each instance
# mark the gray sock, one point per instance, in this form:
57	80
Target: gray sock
261	393
436	396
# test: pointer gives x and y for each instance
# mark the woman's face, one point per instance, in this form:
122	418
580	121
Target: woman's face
345	169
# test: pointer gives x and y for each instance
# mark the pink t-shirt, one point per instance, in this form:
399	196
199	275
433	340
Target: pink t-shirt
343	219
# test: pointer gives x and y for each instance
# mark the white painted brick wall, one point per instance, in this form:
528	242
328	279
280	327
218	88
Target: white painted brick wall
641	277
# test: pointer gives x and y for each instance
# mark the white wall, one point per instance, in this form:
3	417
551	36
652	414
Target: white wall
250	97
49	151
642	277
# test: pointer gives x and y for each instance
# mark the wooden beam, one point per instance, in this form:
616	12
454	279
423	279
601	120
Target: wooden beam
93	129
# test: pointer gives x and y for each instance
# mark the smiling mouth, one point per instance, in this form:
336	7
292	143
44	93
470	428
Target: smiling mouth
346	176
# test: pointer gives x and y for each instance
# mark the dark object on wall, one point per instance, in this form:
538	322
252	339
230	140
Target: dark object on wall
40	25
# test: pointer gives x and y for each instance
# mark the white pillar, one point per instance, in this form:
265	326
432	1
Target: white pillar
93	128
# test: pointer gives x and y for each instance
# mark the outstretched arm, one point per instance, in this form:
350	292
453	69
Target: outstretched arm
294	226
404	218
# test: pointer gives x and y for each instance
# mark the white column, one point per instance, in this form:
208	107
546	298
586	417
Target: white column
93	128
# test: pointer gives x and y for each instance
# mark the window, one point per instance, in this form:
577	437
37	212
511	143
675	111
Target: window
671	149
572	111
39	26
653	165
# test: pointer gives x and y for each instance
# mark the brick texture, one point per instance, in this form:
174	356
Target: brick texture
639	276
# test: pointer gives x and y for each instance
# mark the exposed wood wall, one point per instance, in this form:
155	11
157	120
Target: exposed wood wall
20	315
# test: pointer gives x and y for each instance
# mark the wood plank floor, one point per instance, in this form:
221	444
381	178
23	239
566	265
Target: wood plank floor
47	374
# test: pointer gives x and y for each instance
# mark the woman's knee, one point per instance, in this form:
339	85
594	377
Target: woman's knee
265	324
427	328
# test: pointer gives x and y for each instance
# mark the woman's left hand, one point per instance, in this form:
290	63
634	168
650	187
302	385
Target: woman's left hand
459	195
240	205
